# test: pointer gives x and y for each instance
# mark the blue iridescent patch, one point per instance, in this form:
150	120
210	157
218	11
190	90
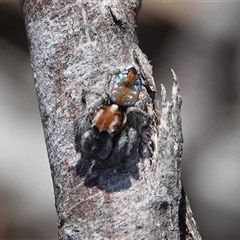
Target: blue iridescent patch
125	88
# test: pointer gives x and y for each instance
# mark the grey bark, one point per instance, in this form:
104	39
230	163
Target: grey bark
80	44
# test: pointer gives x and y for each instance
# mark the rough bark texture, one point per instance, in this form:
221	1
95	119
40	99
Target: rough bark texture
78	45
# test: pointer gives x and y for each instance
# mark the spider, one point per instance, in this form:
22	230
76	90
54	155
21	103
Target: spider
110	129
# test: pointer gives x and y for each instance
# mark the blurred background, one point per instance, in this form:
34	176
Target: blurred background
201	42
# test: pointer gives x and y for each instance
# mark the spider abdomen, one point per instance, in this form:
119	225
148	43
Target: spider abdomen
125	88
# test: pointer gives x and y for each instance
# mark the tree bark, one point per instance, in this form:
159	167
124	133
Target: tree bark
77	45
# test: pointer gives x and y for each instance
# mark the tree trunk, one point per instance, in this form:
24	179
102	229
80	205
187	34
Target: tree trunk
76	48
